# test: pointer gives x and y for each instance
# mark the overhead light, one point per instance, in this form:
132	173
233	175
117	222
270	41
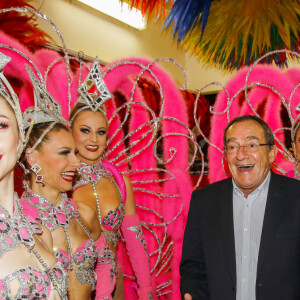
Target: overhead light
120	11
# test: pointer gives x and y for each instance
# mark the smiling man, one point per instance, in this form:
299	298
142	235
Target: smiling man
242	237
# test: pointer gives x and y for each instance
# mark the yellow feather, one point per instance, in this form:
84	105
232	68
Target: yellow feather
229	20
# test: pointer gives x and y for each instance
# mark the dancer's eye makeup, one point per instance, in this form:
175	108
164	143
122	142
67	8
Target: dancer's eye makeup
3	125
65	152
101	132
85	130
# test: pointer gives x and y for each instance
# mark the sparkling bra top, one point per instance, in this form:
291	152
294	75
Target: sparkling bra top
28	282
82	261
46	213
34	284
92	174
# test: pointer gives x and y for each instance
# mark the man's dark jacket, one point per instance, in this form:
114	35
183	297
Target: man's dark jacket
208	268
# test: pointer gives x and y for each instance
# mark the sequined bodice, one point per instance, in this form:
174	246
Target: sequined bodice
113	220
92	174
45	212
30	283
34	284
16	230
83	262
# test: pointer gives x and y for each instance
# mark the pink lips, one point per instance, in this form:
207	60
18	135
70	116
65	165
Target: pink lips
1	156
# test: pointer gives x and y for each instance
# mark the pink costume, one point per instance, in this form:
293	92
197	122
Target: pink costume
82	261
115	221
33	283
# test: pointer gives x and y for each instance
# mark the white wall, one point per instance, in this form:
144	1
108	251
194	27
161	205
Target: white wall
85	29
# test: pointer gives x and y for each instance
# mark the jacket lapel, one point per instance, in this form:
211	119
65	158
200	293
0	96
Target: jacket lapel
227	228
273	213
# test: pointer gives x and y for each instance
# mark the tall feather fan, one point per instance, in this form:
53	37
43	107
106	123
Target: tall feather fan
238	32
22	27
150	8
185	15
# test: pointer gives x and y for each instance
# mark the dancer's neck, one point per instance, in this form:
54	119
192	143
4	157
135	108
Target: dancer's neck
7	192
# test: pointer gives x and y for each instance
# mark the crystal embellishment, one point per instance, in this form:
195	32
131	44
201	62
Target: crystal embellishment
16	230
36	168
102	94
44	102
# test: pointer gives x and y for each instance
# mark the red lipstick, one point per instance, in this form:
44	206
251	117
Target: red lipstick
92	148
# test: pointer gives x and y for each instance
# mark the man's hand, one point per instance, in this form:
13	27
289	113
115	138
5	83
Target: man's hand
187	297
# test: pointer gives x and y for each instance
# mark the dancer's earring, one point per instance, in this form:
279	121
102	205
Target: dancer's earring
39	178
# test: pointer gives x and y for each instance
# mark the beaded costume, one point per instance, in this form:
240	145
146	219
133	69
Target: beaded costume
112	221
16	230
82	261
33	283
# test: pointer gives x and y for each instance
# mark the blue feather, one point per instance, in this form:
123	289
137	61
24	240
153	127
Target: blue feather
184	16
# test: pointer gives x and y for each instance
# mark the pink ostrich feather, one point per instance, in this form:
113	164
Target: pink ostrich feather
166	207
121	81
177	166
293	74
16	68
57	78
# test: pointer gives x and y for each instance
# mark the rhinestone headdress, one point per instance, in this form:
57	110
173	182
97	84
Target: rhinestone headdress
46	109
10	96
94	101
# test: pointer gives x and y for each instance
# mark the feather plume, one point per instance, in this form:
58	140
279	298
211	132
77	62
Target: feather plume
240	31
150	8
185	15
22	27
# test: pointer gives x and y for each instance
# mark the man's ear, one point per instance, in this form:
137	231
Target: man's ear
272	154
31	156
225	155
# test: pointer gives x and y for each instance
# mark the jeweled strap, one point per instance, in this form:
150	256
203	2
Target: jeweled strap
90	174
84	259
